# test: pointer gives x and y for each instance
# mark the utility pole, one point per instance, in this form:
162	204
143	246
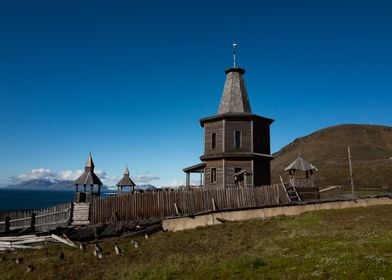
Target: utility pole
351	170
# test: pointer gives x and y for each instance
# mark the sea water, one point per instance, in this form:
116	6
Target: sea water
29	199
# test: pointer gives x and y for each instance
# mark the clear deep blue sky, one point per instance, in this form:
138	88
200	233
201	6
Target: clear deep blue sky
129	80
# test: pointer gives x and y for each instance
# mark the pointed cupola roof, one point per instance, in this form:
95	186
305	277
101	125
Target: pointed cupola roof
126	180
89	163
301	165
88	177
234	97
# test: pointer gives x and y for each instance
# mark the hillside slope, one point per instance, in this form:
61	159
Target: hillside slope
371	150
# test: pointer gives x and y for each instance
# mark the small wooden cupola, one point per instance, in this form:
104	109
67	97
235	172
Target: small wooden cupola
126	181
88	178
301	173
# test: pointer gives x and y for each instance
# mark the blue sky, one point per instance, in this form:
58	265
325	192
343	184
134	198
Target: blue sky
129	80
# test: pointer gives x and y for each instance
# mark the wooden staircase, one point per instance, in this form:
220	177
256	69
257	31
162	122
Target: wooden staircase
291	191
80	214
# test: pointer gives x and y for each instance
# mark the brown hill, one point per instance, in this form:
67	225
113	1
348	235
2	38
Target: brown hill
371	150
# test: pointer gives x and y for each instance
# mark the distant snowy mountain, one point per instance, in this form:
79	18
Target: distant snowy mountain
145	187
47	184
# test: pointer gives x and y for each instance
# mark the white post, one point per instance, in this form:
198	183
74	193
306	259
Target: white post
245	179
187	180
351	170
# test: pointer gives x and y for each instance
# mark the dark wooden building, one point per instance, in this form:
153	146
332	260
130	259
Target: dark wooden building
236	142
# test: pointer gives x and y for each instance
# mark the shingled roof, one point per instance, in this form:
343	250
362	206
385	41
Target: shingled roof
234	97
126	180
88	177
301	165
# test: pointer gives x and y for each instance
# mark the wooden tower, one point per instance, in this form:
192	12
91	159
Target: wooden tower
301	180
126	181
88	178
301	173
236	142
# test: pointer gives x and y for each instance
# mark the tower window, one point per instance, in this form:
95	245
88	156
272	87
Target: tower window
213	140
237	139
213	175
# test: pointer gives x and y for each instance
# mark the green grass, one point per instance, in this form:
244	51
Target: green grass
333	244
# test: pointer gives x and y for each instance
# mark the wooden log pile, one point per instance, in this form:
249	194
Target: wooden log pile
109	230
11	243
92	233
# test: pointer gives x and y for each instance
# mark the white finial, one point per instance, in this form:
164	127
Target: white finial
234	54
126	170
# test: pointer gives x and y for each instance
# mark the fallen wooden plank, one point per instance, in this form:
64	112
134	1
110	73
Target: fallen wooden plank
27	241
25	247
19	237
62	240
12	246
69	241
329	189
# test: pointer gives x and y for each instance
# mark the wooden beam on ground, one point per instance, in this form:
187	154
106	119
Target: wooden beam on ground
63	240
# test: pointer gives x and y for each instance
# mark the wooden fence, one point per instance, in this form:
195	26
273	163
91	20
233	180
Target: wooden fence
161	204
42	219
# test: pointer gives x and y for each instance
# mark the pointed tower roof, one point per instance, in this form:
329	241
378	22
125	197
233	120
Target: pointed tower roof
126	170
89	162
88	177
126	180
234	97
301	165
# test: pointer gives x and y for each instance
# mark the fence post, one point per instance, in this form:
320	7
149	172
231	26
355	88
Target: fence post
115	217
176	208
32	222
213	205
70	213
7	221
277	194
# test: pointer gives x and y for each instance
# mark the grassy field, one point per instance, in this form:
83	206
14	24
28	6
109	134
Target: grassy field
334	244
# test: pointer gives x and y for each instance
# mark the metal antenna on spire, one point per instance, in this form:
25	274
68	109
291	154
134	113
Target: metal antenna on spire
235	54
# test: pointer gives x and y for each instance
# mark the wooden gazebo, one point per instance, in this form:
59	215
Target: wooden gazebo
301	173
88	178
301	179
126	181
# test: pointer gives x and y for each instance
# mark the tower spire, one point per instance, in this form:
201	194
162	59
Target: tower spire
235	55
234	97
89	162
126	170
